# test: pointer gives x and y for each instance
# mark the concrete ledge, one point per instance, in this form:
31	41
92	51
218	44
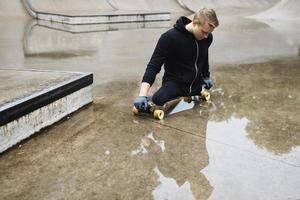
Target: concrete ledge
24	116
105	18
97	17
73	28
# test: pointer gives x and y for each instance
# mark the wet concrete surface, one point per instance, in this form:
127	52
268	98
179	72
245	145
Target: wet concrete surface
243	145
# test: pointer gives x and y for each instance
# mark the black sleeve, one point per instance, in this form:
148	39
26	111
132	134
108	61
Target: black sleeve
157	60
205	69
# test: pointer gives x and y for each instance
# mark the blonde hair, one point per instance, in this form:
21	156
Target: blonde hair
206	15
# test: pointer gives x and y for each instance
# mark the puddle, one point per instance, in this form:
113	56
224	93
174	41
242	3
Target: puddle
146	141
238	168
169	189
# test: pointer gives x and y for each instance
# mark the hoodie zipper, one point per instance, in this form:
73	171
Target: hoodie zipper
196	68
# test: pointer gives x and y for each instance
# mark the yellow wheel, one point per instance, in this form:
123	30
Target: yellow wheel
135	111
205	95
158	114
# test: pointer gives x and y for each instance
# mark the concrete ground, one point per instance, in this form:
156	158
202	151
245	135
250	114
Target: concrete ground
245	145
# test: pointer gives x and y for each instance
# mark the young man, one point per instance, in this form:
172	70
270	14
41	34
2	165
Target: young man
183	50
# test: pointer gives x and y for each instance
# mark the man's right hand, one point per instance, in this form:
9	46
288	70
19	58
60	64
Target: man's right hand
141	103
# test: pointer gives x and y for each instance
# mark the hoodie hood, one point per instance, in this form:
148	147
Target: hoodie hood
181	23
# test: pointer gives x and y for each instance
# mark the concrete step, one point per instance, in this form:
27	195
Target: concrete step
95	16
31	100
113	17
73	28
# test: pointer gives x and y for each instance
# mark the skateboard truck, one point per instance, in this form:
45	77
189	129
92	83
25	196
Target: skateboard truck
204	95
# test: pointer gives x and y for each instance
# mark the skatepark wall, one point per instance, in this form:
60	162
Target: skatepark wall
230	6
147	5
96	7
81	7
283	10
260	9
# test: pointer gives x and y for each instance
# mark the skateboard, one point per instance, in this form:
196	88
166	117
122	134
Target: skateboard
159	112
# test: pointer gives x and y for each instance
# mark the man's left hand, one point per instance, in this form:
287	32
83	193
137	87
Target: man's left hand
207	84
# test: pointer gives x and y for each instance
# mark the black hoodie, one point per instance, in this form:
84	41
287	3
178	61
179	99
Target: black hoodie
184	57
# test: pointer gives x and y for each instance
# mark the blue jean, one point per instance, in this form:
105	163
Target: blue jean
168	91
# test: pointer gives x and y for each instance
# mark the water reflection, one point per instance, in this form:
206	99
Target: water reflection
247	172
169	189
177	158
253	137
267	95
40	41
44	38
146	142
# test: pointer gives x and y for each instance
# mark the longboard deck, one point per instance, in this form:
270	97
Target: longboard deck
176	105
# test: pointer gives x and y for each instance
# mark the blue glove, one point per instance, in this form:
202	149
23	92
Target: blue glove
141	103
207	84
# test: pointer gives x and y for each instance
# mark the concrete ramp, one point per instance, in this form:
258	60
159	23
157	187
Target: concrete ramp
225	6
12	8
284	10
147	5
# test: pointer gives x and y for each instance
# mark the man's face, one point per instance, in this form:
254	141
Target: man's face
202	31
